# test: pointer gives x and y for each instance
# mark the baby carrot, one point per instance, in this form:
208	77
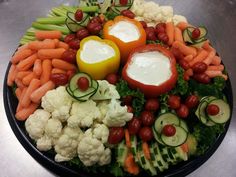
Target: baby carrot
188	58
207	46
11	75
45	44
210	57
178	35
60	64
56	70
46	71
186	50
202	55
19	83
37	69
216	60
21	55
213	74
146	150
216	68
170	30
18	93
34	84
48	35
63	45
41	91
19	106
21	74
50	53
27	79
24	113
23	47
27	63
182	25
130	165
56	42
127	138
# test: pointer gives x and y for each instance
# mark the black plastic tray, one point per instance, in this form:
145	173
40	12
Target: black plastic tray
61	169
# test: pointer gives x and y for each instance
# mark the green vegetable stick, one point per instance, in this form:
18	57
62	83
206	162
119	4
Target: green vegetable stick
52	20
59	12
40	26
89	8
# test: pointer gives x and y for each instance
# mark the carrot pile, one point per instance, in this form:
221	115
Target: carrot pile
192	55
31	68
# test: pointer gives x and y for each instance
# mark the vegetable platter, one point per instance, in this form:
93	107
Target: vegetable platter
119	88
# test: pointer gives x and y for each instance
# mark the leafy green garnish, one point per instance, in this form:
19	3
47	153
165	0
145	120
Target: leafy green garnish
138	97
110	15
182	87
116	170
206	136
163	103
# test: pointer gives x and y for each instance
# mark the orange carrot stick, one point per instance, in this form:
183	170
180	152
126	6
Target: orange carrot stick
60	64
21	55
216	60
23	47
216	68
18	93
37	69
11	75
24	113
27	79
178	35
56	42
19	106
186	50
63	45
45	44
21	74
210	57
146	150
213	74
34	84
41	91
127	138
188	58
56	71
19	83
50	53
46	71
130	165
48	35
170	30
207	46
183	25
27	63
202	55
184	147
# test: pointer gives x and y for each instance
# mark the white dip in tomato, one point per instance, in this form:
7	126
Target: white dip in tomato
124	31
94	51
150	68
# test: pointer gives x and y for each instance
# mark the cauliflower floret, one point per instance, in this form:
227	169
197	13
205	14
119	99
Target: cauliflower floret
179	18
101	132
36	122
66	145
167	13
105	91
57	102
44	143
83	114
91	151
117	115
137	7
53	128
103	108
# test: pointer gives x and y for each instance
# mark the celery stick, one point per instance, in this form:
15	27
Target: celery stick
29	37
39	26
30	33
89	8
59	12
52	20
69	8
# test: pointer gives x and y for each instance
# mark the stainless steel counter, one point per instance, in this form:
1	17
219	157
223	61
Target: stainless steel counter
219	16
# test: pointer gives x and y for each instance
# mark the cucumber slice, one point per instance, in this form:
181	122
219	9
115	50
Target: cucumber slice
84	94
122	152
165	155
73	25
160	161
203	32
224	113
133	141
164	119
157	136
186	36
73	82
179	138
183	125
199	44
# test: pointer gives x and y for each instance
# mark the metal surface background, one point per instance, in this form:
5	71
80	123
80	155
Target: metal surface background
219	16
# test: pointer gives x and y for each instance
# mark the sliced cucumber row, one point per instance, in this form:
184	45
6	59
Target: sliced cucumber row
181	127
210	120
74	91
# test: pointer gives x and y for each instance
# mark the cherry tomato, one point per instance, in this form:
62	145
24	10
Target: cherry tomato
146	134
69	37
163	37
196	33
127	100
94	28
169	130
199	67
123	2
96	19
83	83
184	64
191	101
183	111
112	78
147	118
144	24
130	109
116	134
174	101
69	56
134	126
82	33
212	109
70	73
74	44
59	79
128	13
150	32
152	105
160	28
202	78
78	15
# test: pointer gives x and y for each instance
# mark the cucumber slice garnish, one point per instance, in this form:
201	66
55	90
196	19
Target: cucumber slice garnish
176	140
157	136
73	82
73	25
164	119
186	36
183	125
224	113
83	94
203	32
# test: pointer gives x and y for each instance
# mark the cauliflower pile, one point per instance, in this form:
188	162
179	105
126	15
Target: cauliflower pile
60	122
152	13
